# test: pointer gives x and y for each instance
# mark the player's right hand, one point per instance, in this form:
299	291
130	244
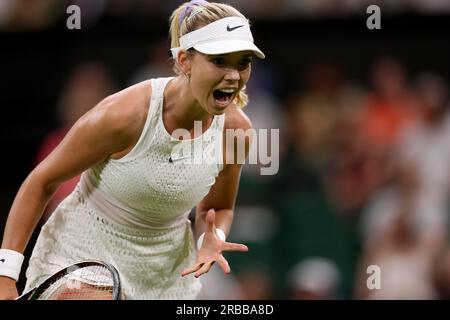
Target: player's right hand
8	289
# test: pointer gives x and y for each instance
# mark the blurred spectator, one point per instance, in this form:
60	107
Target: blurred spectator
18	15
389	107
353	172
314	113
256	284
406	265
314	279
87	85
430	6
158	63
442	274
219	286
6	12
424	151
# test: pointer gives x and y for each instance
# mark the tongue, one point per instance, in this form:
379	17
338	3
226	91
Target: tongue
220	96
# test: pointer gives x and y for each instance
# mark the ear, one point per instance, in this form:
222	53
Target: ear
184	62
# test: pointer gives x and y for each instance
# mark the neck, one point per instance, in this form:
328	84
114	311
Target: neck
181	109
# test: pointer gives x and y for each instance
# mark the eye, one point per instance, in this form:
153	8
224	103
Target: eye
218	61
244	63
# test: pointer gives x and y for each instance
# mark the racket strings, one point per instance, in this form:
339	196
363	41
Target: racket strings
86	283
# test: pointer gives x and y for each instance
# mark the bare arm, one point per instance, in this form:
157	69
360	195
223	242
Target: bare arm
216	209
106	129
221	198
223	193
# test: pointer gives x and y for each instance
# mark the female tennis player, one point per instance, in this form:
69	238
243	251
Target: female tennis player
131	206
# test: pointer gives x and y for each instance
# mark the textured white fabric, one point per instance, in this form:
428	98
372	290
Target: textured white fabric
231	34
132	213
10	263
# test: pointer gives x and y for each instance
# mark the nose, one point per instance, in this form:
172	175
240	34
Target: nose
232	75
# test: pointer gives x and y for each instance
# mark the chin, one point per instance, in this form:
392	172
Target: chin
218	111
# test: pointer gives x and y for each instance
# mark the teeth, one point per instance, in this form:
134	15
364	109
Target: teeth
228	90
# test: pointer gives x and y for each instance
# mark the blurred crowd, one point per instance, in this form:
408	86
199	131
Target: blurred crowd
39	14
364	165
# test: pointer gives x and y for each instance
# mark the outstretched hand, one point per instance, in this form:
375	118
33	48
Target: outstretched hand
211	250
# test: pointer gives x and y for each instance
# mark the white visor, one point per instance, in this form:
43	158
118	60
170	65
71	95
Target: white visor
223	36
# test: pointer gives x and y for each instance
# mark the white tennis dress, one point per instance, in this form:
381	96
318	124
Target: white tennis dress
133	212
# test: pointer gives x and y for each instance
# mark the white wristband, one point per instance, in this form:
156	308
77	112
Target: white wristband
219	234
10	263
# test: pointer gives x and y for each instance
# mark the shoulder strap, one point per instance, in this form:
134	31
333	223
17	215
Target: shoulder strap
154	108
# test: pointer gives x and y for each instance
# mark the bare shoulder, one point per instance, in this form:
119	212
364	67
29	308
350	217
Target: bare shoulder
236	118
123	111
115	123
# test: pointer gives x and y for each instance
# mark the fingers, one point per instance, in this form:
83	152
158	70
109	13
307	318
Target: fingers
194	268
223	263
229	246
204	269
198	268
210	220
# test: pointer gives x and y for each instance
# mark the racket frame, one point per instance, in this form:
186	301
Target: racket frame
37	291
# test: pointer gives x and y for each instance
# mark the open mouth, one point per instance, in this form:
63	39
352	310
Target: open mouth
223	97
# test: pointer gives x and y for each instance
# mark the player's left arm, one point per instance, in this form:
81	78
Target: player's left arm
223	193
216	209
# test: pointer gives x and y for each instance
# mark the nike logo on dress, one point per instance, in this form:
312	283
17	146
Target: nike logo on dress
233	28
172	160
2	260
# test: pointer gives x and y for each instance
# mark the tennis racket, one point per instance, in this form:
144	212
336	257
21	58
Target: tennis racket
87	280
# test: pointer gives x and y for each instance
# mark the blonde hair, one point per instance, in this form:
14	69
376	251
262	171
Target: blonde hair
197	16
